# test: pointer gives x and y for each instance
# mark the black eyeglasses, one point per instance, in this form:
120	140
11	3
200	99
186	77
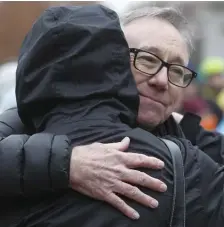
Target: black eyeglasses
151	64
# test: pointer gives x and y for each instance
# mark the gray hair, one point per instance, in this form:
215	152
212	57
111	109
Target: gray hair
171	14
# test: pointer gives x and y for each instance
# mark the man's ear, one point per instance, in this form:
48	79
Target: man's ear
178	117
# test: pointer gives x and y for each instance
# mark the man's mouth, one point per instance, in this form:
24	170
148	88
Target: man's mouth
153	99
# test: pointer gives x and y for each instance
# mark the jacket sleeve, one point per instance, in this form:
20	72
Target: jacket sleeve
211	143
10	123
31	165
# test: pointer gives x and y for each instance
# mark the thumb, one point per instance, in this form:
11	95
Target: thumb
121	146
124	144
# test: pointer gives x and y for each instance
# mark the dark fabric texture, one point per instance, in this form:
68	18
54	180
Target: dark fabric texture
74	78
169	127
32	167
190	125
10	123
63	42
212	143
39	160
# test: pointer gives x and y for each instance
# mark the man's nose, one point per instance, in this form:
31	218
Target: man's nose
160	80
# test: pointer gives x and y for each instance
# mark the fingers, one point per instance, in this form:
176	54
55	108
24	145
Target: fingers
139	178
139	160
134	193
119	204
133	159
121	146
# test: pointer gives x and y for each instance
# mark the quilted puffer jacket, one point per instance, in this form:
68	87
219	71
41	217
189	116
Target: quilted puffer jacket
31	164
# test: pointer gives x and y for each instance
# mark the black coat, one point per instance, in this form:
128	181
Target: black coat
74	78
42	159
32	167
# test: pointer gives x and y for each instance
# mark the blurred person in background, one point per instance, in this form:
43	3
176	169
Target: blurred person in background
208	110
200	96
211	116
220	103
192	101
211	75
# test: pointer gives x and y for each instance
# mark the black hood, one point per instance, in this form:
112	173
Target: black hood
75	60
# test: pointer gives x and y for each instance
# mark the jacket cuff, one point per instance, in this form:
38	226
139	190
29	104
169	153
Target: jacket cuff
60	162
190	125
46	164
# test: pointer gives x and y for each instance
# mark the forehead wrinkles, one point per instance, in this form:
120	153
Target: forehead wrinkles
170	46
143	29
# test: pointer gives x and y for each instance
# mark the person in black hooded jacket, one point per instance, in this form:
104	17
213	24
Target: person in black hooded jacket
87	82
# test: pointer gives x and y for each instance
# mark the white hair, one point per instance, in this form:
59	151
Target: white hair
171	14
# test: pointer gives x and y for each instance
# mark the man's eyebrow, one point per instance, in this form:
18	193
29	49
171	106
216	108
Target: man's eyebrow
152	49
178	60
155	50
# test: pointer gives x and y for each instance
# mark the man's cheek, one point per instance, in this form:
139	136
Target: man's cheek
177	99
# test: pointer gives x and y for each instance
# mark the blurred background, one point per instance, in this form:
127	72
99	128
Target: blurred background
205	96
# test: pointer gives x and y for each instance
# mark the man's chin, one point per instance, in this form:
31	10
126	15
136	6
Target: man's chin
148	124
